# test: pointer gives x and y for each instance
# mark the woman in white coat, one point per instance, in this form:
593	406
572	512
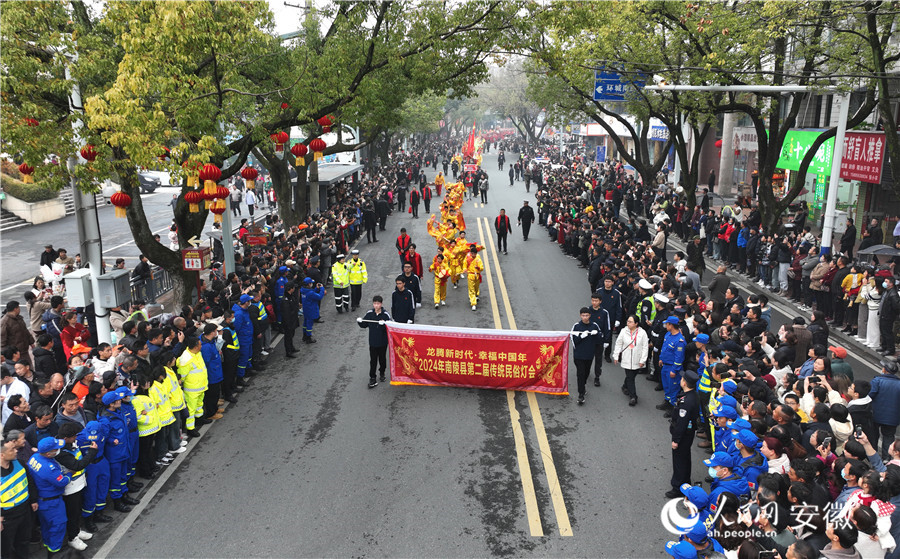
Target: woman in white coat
631	349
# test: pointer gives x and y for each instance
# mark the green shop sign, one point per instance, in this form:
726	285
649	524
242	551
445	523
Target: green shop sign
797	144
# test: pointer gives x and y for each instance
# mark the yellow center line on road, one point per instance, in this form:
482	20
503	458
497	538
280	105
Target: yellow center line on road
556	497
531	506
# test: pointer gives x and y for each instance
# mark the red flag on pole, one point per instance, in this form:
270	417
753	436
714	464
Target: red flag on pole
469	148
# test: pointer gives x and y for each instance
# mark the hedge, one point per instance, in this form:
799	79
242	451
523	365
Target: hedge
26	192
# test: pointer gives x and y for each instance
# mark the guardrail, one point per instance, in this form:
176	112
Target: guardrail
159	284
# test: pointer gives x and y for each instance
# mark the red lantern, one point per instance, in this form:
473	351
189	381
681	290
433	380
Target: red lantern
222	193
280	138
193	198
718	143
317	146
250	174
284	106
210	174
218	208
26	170
325	122
30	121
121	201
300	151
89	153
192	168
164	154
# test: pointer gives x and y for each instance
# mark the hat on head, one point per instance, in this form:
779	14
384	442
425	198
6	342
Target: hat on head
695	238
125	392
727	400
729	386
661	298
681	550
680	310
48	444
740	424
747	438
307	280
696	495
890	365
720	459
82	371
289	262
644	284
702	338
690	376
726	411
354	251
838	352
111	397
314	260
246	298
699	533
282	269
672	320
340	256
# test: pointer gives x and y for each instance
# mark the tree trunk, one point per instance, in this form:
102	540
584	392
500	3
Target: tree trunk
279	172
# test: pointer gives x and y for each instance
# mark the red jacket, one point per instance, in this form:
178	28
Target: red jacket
403	242
416	261
497	223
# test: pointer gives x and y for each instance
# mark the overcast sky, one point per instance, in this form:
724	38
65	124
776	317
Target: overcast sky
287	19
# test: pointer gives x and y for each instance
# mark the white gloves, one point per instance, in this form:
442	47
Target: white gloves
594	332
617	323
359	319
418	305
409	321
584	334
381	323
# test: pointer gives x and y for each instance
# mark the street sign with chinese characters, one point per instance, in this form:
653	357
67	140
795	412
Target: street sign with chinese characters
601	154
196	259
659	134
863	156
609	86
797	143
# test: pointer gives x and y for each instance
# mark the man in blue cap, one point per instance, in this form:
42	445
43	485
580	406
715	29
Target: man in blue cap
685	419
130	414
722	418
243	327
750	462
51	482
681	550
671	358
699	498
698	537
278	292
117	451
311	296
721	469
96	474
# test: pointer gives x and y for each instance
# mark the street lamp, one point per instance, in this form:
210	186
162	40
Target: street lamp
844	99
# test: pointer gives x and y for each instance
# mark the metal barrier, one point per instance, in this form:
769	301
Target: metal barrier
149	291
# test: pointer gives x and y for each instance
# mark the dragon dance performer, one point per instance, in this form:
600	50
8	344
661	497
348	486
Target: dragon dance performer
441	275
473	268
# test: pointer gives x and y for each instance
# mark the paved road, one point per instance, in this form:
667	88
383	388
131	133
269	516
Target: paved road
311	463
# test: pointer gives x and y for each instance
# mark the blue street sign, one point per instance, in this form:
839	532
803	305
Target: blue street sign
608	86
601	154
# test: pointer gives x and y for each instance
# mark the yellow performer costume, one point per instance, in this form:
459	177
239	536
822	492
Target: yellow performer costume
441	274
474	267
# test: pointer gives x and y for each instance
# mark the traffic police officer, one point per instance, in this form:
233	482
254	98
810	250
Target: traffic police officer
655	335
340	277
685	417
671	358
646	309
260	320
358	277
51	482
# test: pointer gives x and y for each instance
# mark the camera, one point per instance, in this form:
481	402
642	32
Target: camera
858	430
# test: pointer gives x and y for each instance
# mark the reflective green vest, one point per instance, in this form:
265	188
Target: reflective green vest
652	308
14	487
262	310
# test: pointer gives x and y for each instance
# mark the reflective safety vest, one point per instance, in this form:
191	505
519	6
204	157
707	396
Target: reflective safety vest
235	342
76	452
160	397
14	487
174	391
358	273
147	416
649	299
340	275
262	311
192	371
138	316
705	384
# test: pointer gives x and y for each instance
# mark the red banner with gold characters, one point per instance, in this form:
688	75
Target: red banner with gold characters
479	358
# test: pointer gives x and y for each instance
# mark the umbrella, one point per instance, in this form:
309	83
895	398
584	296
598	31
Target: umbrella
884	250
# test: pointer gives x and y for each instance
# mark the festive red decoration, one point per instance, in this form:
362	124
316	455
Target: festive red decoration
30	121
718	143
210	174
193	198
317	146
284	106
222	192
26	170
250	174
121	201
164	154
280	138
192	168
300	151
89	153
218	208
325	122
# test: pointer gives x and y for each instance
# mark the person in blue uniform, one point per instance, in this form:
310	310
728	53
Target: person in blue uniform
18	499
671	359
601	317
699	538
724	479
312	297
685	419
585	337
698	497
73	460
750	462
133	438
97	476
278	292
50	482
243	326
722	417
378	338
117	451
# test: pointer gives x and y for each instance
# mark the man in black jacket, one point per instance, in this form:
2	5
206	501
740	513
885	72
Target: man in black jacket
378	338
403	303
290	321
837	292
73	460
44	359
888	310
526	218
848	239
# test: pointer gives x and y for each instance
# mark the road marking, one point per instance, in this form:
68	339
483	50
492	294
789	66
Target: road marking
556	497
531	507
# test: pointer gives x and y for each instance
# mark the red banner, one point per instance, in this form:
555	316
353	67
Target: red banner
479	358
863	156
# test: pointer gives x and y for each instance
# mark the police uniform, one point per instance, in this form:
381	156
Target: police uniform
51	482
655	335
193	375
672	357
340	278
358	277
685	417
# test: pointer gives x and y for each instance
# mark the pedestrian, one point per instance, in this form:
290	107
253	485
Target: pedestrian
414	198
685	420
403	303
503	226
374	320
426	198
340	277
312	296
212	358
49	256
888	312
370	221
885	393
631	348
402	244
585	337
250	200
484	186
15	332
290	319
511	175
601	317
236	197
526	218
193	377
359	276
711	180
